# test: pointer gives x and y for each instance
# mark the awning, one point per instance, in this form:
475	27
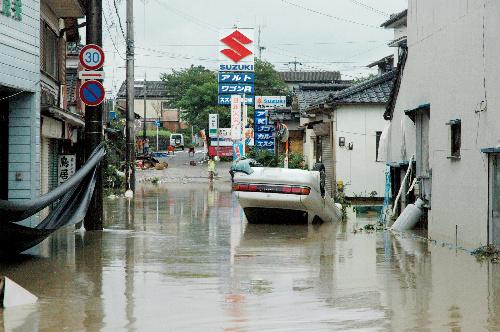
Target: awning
58	113
491	150
412	113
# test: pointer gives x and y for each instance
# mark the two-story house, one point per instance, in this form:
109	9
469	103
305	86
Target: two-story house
444	115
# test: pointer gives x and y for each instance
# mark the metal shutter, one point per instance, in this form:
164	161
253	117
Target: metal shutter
327	159
44	165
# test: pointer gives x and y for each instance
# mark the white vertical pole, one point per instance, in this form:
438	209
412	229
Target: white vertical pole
157	132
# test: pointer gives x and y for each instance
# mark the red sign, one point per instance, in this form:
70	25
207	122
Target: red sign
92	57
92	93
224	151
235	41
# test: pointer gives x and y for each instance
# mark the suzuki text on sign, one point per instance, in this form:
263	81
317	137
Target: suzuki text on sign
236	53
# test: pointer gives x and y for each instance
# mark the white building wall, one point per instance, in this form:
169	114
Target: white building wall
445	69
358	168
309	148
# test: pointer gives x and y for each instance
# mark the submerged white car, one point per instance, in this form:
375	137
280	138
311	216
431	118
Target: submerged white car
280	195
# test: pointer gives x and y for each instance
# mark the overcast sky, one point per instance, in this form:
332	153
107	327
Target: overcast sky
321	34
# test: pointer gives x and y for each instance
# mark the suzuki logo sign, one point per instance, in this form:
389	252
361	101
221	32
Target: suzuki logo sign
235	41
236	52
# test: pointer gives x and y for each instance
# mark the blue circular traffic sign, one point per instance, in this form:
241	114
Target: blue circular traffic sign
92	93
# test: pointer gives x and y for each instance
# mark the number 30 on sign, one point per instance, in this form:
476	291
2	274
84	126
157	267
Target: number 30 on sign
92	57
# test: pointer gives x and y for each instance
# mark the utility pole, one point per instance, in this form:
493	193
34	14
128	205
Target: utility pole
259	46
93	120
130	135
295	63
144	113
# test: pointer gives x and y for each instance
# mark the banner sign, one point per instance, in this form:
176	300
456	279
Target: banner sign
223	151
236	117
265	145
66	167
226	100
232	89
213	123
238	151
263	133
269	102
236	78
264	129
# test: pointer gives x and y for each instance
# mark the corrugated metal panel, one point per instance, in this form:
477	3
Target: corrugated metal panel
48	167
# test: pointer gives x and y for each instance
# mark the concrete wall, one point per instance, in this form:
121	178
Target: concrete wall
358	168
308	148
447	67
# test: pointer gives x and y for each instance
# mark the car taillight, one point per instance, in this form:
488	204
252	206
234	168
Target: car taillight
294	190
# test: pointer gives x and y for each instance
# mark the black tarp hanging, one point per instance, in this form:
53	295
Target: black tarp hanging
74	197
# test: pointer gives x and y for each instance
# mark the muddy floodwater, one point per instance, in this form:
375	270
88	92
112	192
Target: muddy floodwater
183	258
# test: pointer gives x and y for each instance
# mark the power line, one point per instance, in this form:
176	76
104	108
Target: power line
329	15
111	37
119	19
188	17
285	44
372	9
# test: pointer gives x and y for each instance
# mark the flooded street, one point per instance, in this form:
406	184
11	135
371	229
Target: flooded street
183	258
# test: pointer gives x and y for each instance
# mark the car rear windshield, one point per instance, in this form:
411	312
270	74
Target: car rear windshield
175	136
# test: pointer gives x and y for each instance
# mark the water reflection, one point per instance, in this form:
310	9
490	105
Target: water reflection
183	258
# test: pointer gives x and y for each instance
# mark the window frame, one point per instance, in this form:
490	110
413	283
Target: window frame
378	135
455	142
50	52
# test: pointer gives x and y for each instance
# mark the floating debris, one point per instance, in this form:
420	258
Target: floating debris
487	253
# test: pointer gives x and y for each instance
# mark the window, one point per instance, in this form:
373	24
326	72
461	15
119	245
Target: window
50	51
455	138
456	133
165	105
377	143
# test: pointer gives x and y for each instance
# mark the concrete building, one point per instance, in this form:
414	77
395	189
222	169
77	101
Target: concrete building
158	105
443	112
346	130
60	125
20	101
307	94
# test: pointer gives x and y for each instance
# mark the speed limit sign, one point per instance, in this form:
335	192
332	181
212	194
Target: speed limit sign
92	57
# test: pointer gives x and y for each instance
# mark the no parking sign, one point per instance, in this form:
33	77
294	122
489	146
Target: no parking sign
92	93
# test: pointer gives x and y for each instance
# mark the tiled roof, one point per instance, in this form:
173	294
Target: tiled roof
394	18
308	94
309	76
325	86
71	79
374	91
384	60
155	89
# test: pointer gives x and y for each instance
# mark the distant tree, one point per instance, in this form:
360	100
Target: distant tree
267	80
194	90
